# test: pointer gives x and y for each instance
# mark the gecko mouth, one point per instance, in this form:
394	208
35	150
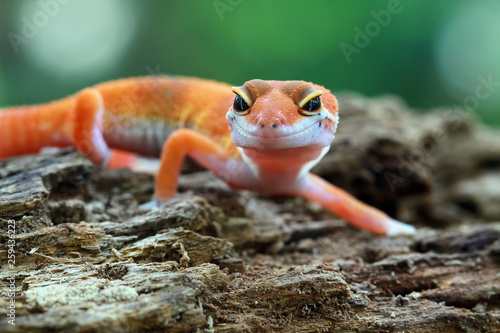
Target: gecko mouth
276	134
317	133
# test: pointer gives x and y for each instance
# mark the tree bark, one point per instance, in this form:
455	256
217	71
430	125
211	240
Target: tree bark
87	259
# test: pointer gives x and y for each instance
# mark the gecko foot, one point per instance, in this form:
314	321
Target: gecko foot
397	228
150	205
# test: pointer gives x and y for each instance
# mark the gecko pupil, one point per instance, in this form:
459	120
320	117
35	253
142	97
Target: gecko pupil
239	104
312	105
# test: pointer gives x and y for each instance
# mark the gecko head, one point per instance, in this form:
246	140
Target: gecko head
276	115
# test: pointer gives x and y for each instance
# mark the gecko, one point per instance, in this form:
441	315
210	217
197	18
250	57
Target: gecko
263	136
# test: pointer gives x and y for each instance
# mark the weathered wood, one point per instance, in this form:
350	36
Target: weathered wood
219	260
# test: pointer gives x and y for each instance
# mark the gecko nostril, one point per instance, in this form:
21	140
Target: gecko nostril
274	125
262	125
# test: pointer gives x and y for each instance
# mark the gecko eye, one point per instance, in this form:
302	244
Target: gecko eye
313	105
240	106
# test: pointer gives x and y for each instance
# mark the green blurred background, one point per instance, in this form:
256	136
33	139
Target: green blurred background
432	53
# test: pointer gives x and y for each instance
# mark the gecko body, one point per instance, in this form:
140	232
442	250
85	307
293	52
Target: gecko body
263	136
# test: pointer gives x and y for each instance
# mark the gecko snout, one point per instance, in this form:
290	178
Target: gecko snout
273	122
270	127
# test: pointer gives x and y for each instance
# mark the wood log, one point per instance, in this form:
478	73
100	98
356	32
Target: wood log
88	259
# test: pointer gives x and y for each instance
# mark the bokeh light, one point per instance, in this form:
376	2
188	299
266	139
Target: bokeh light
89	37
468	49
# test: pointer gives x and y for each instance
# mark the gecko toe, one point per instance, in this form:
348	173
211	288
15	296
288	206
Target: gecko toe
397	228
150	205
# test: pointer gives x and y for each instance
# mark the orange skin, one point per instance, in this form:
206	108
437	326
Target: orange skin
263	136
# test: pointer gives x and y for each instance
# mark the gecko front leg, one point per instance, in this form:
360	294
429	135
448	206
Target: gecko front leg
204	150
352	210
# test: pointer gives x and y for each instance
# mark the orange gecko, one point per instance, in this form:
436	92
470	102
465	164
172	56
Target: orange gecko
263	136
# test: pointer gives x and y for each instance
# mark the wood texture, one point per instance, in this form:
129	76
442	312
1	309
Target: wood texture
218	260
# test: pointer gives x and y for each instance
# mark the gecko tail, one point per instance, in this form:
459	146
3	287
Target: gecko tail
27	129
